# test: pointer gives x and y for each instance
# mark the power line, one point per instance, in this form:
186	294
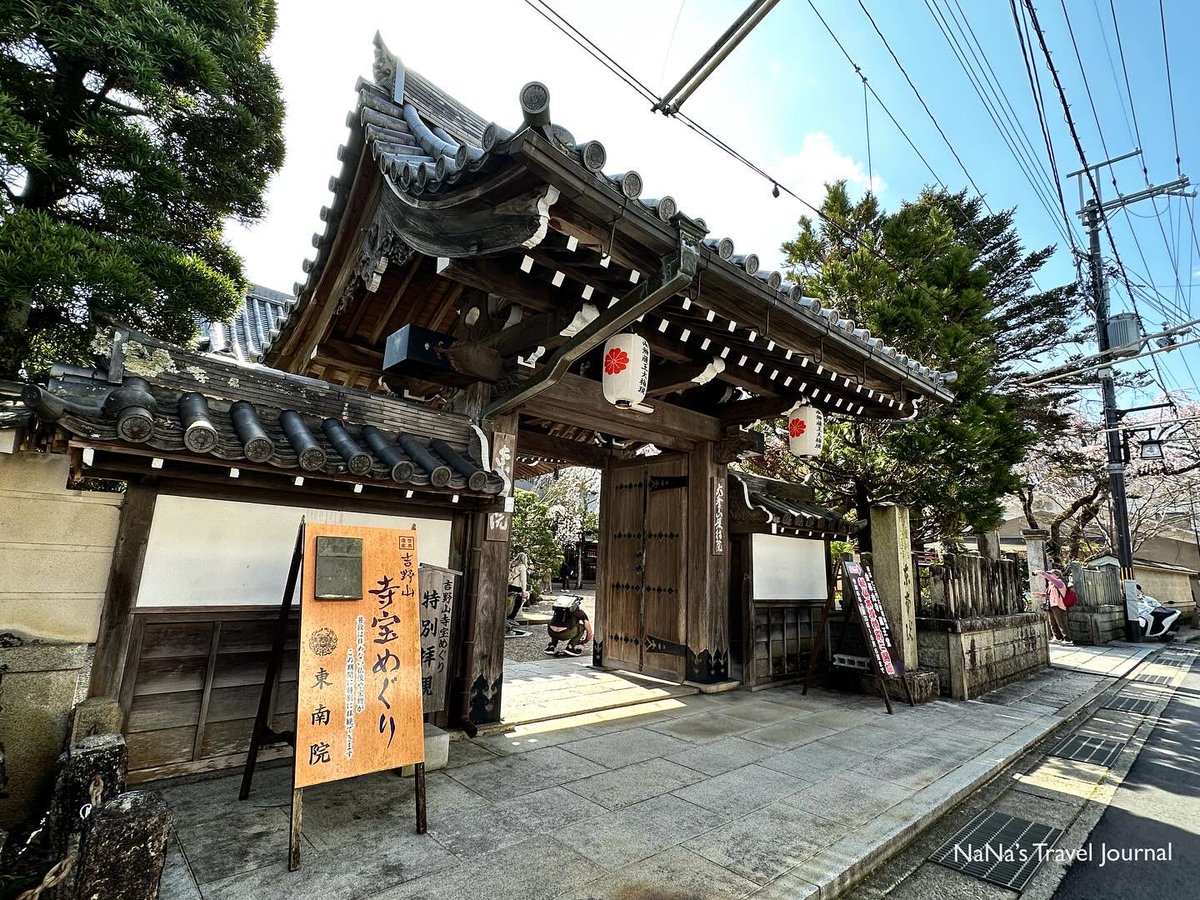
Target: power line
924	105
563	25
1162	21
1128	90
859	71
1010	129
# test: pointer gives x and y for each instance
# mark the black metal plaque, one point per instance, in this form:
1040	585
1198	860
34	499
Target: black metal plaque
339	568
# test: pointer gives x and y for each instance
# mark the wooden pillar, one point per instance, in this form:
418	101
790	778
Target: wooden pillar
603	561
892	566
486	588
707	567
116	620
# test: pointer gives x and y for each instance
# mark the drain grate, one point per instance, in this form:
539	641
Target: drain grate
998	848
1138	705
1080	748
1153	679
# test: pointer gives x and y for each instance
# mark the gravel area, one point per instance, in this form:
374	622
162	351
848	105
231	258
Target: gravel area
529	649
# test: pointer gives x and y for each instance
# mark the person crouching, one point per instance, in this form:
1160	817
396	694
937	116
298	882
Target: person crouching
568	623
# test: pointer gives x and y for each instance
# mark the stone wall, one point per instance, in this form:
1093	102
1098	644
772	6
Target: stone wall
1096	625
56	549
974	656
56	546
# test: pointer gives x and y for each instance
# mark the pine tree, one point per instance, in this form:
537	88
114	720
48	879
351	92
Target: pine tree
129	131
953	287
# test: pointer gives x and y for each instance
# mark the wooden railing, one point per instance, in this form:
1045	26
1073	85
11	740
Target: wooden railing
970	586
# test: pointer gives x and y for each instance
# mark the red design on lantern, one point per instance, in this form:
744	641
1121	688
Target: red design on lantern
616	361
797	427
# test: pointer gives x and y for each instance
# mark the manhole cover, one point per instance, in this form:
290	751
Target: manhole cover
1079	748
1138	705
998	848
1153	679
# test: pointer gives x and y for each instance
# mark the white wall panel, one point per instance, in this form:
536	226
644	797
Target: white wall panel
788	568
220	552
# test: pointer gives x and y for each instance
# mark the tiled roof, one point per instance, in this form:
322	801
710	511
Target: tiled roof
426	143
246	335
782	504
200	408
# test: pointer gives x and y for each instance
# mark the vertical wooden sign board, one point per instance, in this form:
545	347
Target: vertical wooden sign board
358	696
860	595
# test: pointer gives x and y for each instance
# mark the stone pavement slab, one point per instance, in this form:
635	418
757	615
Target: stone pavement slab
1114	659
774	793
674	873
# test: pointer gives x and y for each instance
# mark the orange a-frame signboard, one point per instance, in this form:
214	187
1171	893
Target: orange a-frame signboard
358	696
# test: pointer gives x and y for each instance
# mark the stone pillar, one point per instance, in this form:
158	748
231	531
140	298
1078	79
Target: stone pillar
1035	552
989	544
891	558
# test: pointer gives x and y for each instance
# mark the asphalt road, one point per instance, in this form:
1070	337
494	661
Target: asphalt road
1156	809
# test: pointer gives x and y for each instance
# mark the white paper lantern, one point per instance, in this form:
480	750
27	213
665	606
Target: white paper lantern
805	427
626	369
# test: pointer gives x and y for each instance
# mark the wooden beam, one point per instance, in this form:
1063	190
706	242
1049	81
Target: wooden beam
672	274
580	402
502	276
379	330
740	412
677	377
543	329
533	443
124	579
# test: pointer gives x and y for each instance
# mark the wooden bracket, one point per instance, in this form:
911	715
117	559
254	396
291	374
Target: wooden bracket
673	275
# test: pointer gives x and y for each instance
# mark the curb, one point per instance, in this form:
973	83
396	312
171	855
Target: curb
897	842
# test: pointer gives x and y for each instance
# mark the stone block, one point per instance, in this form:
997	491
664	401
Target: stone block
437	750
40	683
99	761
95	715
924	684
124	848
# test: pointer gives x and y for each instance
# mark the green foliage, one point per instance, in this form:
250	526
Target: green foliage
965	302
130	130
533	534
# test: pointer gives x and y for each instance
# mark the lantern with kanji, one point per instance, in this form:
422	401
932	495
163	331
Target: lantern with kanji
626	369
805	426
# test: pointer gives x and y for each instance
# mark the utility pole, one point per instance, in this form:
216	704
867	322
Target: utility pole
1092	214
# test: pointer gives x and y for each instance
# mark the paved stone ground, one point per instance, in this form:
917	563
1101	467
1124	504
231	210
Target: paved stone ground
554	687
768	794
1115	658
1061	793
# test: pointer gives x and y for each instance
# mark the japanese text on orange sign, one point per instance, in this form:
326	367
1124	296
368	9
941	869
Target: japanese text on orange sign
359	694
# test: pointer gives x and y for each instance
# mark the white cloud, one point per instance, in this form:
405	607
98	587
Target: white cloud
500	46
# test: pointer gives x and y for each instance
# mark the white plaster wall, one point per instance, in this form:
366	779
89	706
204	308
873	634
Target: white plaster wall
788	568
56	549
219	552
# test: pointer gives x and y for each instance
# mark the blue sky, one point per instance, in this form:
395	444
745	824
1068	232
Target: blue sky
790	101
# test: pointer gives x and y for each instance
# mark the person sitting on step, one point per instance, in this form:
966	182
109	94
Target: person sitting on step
568	623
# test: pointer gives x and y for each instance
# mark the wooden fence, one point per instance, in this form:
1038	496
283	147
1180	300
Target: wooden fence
969	586
1096	587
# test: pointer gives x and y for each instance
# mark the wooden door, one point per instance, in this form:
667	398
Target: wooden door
645	554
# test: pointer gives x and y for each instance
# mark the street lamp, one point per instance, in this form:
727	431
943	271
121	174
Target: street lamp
1151	449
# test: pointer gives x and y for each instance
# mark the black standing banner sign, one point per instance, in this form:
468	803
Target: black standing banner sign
857	581
860	600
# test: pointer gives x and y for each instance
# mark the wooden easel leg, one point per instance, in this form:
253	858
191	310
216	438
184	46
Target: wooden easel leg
262	724
887	701
817	645
297	828
908	692
419	784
